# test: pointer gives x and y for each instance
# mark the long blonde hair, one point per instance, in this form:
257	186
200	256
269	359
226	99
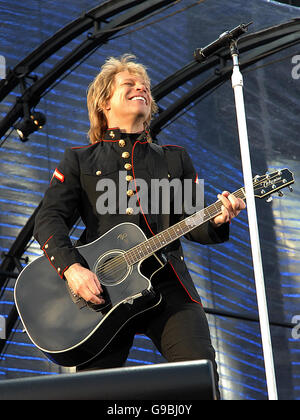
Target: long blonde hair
100	90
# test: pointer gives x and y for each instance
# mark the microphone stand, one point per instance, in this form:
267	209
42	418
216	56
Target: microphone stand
231	38
238	85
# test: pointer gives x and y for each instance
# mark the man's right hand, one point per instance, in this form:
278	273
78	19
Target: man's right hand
84	283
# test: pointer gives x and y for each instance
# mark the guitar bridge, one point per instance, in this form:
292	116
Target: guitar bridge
79	301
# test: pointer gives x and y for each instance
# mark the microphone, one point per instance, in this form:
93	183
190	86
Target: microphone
201	54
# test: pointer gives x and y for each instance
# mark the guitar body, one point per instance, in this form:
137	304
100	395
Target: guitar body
71	333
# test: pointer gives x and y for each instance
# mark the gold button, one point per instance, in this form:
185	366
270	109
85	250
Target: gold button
122	143
58	270
98	173
125	155
129	211
46	246
130	193
127	166
52	258
129	178
112	134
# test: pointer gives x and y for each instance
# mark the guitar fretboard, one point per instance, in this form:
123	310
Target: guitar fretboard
169	235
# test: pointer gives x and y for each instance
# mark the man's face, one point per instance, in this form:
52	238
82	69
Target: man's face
130	99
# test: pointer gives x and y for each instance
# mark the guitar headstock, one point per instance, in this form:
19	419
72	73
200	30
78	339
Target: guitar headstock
267	184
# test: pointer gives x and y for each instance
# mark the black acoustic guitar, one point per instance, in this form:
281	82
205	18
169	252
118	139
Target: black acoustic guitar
71	331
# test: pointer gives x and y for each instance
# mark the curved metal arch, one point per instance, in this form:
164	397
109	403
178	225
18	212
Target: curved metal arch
253	48
266	43
33	94
62	37
269	42
246	43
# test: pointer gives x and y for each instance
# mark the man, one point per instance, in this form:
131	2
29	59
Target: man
120	109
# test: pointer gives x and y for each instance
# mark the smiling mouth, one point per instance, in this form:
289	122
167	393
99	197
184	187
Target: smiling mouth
139	98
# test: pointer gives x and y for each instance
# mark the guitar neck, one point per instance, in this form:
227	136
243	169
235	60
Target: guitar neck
169	235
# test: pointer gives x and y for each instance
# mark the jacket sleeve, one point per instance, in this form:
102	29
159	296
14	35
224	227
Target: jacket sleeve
58	213
206	233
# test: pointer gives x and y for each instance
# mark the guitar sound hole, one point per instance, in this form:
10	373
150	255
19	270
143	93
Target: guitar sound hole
111	269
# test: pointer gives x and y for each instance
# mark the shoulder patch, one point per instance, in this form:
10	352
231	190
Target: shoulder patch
58	175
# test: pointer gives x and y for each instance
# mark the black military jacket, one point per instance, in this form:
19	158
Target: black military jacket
120	159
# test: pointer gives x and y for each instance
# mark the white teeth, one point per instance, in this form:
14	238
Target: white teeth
136	98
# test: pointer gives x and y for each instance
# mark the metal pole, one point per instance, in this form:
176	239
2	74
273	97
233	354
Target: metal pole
238	85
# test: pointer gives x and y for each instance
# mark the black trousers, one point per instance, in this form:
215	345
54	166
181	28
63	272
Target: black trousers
178	328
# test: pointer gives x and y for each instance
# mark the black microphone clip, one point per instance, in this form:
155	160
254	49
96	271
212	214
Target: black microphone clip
201	54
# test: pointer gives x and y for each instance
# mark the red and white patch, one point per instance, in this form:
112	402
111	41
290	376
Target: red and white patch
58	175
197	179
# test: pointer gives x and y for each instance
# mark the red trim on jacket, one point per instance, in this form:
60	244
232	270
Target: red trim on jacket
60	274
174	145
87	145
184	286
132	164
193	300
46	254
46	242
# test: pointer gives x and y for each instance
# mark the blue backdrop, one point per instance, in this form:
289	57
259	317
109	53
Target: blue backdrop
223	274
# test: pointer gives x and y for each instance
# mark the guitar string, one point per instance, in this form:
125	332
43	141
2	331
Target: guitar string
110	266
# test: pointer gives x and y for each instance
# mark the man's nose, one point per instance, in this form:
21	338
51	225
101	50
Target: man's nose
141	87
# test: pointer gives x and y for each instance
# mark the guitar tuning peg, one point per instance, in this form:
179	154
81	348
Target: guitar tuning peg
280	193
269	199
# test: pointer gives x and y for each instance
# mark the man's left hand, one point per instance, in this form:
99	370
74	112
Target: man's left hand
231	208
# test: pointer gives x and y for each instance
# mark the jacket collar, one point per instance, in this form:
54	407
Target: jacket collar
115	134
